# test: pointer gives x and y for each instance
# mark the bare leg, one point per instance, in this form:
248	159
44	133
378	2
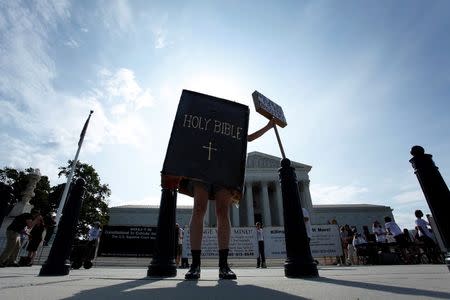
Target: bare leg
223	202
198	214
196	228
177	259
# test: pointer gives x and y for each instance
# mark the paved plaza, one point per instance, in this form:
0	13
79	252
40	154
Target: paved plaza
358	282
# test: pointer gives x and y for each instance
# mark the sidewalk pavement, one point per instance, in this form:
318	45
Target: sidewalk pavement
357	282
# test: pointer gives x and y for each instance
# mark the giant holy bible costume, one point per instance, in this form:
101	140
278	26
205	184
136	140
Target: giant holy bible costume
208	143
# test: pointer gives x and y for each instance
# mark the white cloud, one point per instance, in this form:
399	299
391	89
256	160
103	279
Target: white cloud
117	16
409	197
160	38
123	86
72	43
26	69
40	124
29	155
404	219
335	194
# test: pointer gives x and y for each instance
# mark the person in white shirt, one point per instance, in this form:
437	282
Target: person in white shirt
91	247
261	260
393	229
307	223
379	231
359	243
425	236
94	232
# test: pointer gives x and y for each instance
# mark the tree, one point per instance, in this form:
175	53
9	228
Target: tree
41	197
95	200
47	198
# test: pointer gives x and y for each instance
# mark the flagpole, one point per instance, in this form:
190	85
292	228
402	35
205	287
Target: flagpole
72	170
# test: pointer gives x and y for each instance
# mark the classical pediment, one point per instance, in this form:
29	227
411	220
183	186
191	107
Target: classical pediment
260	160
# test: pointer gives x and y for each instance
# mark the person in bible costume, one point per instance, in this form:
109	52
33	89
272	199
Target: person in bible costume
205	159
202	192
224	197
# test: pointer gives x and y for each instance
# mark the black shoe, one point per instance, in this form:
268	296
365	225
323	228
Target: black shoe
226	273
193	273
13	265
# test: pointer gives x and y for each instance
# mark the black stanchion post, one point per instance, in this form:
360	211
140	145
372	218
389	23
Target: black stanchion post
58	262
436	193
163	261
299	261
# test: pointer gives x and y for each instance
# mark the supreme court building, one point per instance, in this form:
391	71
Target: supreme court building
262	201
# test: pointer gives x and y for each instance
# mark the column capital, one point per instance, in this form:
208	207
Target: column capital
305	182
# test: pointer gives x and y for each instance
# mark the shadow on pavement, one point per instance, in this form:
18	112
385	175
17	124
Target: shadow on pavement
384	288
140	289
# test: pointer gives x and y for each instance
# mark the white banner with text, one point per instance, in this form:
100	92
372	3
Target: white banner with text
325	241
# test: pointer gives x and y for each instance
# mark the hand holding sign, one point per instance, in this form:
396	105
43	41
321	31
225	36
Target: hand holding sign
257	134
273	112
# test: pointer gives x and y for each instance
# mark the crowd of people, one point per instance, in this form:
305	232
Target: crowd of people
27	231
388	239
30	231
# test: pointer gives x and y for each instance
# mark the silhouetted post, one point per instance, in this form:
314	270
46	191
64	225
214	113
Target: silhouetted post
436	192
163	261
299	261
58	262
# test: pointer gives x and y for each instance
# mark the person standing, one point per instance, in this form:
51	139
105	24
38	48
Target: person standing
307	221
202	192
179	248
13	231
261	260
50	224
393	229
35	238
93	239
424	235
379	231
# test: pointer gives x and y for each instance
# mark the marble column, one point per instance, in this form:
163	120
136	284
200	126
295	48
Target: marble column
279	199
301	189
249	203
212	214
234	215
207	216
307	195
267	219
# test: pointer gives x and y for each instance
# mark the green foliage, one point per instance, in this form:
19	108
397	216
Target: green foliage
47	198
41	196
95	200
18	180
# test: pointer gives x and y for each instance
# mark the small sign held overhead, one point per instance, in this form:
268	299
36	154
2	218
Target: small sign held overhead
268	108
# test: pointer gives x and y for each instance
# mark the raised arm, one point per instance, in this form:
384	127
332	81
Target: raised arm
258	133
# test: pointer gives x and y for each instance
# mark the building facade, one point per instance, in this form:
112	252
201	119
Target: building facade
262	201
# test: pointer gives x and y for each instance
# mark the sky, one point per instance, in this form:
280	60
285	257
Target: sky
360	83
